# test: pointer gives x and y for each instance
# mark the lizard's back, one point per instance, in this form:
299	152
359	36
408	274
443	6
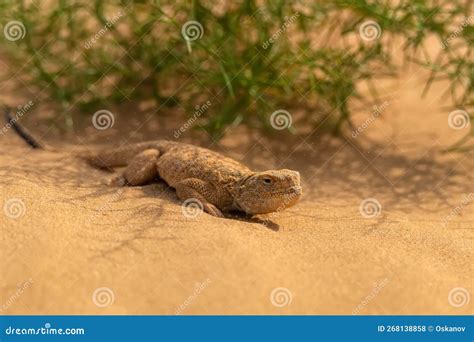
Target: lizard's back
181	161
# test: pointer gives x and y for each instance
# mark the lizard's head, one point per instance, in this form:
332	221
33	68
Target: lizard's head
268	191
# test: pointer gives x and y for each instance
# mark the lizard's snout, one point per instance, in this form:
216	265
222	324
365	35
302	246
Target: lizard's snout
293	196
297	190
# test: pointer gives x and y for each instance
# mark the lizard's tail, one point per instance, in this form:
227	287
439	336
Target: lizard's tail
20	130
108	158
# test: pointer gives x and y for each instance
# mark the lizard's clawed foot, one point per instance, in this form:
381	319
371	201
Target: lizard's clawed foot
118	180
211	209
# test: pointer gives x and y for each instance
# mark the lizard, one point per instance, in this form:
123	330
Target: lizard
221	184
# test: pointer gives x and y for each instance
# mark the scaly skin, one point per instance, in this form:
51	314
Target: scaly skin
219	183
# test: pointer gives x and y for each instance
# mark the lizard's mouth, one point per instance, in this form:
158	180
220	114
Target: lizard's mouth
296	190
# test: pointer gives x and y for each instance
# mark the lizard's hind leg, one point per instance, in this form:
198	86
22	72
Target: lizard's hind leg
142	168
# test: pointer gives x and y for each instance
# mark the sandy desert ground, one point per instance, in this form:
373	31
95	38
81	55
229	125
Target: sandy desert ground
71	245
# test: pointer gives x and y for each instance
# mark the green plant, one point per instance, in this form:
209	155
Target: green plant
314	65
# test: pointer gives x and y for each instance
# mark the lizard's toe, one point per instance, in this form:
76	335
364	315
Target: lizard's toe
212	210
118	180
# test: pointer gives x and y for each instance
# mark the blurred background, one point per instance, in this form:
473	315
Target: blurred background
317	63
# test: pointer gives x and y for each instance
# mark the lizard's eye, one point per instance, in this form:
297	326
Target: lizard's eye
267	181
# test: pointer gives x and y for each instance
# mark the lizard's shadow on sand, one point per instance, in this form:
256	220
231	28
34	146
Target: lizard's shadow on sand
239	216
158	188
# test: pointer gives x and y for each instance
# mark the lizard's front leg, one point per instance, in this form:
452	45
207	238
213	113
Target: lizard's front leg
203	191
